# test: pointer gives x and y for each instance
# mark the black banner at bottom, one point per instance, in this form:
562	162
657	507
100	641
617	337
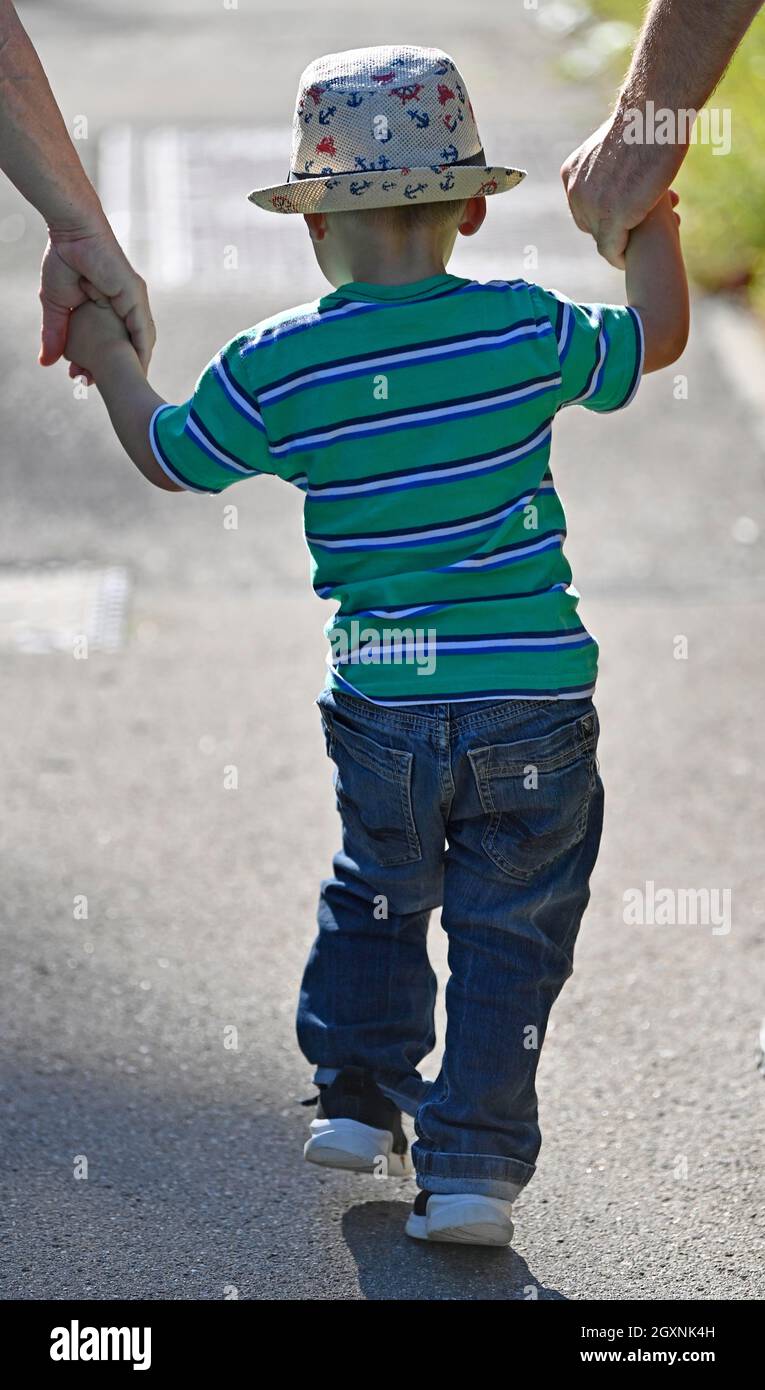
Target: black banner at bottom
97	1339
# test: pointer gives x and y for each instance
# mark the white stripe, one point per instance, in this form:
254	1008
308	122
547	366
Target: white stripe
194	430
445	531
306	441
292	324
436	605
448	471
407	612
345	684
565	640
503	555
392	359
593	387
641	356
564	326
466	644
235	395
187	487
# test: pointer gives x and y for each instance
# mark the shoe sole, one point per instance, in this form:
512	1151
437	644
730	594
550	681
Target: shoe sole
463	1220
356	1148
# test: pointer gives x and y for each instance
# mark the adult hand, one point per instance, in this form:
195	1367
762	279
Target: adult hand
94	330
97	257
612	185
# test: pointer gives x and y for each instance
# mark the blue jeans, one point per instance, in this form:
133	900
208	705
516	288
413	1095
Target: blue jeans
491	811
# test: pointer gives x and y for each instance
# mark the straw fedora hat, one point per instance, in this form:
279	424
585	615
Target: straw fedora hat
383	127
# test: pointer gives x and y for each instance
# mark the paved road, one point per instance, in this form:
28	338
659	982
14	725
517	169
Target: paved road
200	900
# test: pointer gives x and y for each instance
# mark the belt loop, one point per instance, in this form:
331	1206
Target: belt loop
442	725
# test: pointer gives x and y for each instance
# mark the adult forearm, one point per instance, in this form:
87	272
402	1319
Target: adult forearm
683	50
36	151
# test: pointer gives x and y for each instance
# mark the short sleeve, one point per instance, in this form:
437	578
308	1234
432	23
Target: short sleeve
218	436
600	350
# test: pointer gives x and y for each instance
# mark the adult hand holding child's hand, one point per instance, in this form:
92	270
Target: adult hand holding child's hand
94	328
100	347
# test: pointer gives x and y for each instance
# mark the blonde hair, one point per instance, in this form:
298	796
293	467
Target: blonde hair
410	217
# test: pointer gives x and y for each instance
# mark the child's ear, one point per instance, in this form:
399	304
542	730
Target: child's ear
473	216
316	223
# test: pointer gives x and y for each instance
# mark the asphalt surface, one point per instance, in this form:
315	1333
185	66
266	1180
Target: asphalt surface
200	899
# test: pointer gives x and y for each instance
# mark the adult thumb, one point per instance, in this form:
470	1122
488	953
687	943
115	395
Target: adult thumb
55	325
611	240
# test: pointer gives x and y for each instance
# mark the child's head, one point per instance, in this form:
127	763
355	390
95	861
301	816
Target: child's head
395	244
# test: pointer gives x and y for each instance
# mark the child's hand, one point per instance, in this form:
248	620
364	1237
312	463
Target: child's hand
94	329
665	210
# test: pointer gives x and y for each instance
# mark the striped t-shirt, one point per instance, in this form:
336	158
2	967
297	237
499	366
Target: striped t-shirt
416	419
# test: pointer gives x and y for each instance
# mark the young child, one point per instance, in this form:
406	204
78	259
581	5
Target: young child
414	409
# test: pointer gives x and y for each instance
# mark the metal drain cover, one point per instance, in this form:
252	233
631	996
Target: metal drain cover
52	608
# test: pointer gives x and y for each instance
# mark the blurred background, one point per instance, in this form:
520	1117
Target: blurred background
167	802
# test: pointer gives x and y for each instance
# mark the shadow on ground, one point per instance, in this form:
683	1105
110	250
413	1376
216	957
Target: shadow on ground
392	1266
112	1189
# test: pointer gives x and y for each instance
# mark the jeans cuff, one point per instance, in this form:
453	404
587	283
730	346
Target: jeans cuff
409	1101
324	1076
487	1174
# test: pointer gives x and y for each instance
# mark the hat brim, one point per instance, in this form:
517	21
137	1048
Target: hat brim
382	188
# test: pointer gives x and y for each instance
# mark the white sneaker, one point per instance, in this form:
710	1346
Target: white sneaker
358	1128
464	1218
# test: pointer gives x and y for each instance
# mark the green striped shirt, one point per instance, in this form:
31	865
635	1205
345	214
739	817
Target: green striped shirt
417	419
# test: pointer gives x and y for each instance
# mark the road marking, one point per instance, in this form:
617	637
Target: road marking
166	174
51	609
115	167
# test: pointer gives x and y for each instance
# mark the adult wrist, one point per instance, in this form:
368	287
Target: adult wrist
78	222
639	160
640	126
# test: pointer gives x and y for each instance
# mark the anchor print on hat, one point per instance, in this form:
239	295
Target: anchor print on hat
383	127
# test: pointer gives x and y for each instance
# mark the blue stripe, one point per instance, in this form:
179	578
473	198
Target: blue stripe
208	445
415	535
171	468
568	331
417	610
420	354
561	692
417	416
383	483
241	399
595	376
350	308
361	656
636	373
506	555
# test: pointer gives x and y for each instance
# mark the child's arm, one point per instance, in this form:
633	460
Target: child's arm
656	284
98	341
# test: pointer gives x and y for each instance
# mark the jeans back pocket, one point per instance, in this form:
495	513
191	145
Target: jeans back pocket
536	795
373	785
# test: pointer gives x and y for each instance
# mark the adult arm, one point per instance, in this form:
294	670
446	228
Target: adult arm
39	157
682	52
